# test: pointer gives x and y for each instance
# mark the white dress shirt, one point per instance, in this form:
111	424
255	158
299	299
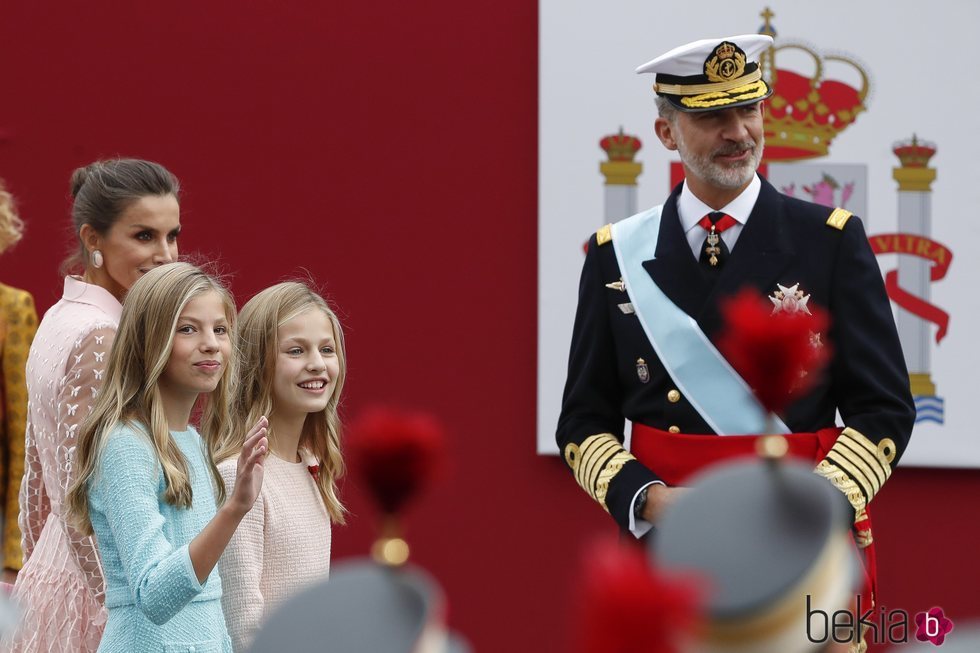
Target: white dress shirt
690	210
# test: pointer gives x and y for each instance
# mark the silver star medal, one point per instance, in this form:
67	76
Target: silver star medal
792	300
789	300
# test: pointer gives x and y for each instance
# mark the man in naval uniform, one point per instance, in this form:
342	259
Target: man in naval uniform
649	305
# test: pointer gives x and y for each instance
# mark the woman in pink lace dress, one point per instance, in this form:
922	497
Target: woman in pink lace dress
127	218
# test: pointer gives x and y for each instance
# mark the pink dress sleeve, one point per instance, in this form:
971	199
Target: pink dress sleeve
241	568
83	378
34	502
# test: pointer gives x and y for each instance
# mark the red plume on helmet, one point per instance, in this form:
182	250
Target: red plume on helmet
395	453
626	605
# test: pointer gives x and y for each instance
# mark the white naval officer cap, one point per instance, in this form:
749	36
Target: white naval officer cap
712	74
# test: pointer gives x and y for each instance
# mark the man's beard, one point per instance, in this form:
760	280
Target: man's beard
733	175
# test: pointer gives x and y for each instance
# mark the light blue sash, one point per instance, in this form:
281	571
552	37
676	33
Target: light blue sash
699	371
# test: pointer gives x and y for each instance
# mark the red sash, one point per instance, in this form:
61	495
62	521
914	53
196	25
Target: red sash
675	457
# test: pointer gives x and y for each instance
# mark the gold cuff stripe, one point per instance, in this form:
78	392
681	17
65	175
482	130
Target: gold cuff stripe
593	462
882	461
713	87
838	218
854	473
856	437
711	100
604	235
589	468
594	452
860	456
844	451
600	458
608	473
844	483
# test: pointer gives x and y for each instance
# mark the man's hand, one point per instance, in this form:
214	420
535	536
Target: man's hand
659	497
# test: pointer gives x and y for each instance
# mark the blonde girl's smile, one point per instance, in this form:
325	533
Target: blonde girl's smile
307	364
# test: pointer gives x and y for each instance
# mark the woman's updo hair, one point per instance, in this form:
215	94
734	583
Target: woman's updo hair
103	190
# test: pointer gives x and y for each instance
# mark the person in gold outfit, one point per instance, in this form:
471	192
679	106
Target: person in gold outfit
18	322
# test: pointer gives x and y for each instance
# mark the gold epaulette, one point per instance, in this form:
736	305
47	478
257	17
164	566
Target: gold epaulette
839	218
604	235
595	462
858	467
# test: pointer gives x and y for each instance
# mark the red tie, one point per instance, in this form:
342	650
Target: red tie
720	221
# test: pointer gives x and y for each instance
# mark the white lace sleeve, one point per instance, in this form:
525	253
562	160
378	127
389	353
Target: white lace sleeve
83	379
34	503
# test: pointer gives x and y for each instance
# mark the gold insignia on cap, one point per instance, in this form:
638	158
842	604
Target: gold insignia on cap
604	235
748	83
839	218
715	99
725	63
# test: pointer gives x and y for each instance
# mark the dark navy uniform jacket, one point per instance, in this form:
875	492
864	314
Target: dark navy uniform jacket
785	241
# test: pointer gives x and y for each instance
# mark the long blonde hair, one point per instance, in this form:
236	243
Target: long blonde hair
130	394
258	346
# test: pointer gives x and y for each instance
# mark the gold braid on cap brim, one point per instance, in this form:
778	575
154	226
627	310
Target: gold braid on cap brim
596	462
858	467
709	87
714	99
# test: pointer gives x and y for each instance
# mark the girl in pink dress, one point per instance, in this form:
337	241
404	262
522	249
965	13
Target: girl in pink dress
127	218
292	367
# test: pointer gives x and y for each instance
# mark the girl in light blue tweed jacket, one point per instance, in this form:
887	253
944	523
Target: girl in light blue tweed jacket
146	483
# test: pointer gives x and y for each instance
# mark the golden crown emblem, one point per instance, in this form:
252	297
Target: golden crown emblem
806	111
725	51
914	153
620	147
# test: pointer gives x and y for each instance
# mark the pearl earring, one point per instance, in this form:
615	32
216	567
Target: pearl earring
97	258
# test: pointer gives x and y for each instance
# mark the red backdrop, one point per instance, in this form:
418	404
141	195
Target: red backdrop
389	149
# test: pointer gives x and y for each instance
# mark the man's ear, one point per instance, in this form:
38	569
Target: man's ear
665	132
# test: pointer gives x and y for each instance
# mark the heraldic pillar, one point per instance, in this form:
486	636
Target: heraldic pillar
915	179
620	172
